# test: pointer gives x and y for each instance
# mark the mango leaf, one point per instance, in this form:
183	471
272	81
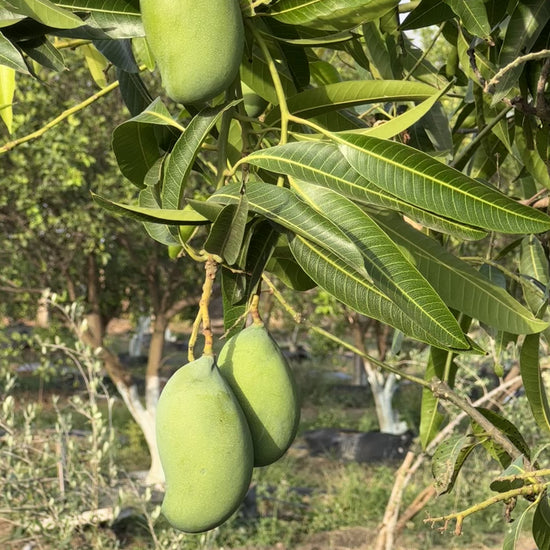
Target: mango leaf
136	141
501	485
294	56
526	22
324	164
530	157
227	231
10	56
7	90
260	244
407	119
441	364
330	14
48	13
341	95
234	307
9	18
428	12
44	52
431	418
486	67
448	459
382	61
460	286
282	206
310	38
134	92
130	7
119	53
533	265
97	64
240	283
533	383
287	270
506	427
414	62
148	198
185	151
255	74
156	215
541	523
389	269
473	16
515	529
423	181
350	287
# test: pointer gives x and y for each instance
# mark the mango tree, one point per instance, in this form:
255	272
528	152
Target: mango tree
368	173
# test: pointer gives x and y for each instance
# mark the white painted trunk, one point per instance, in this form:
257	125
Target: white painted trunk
383	387
145	418
136	342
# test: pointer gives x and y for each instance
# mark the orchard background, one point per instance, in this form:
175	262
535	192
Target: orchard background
380	193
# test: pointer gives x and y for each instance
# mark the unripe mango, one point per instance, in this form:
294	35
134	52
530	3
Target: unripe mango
197	45
261	379
205	447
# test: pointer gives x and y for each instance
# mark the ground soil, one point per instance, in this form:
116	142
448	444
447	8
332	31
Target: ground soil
359	538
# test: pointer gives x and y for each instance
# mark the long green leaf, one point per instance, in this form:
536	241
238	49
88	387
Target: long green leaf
330	14
47	13
351	288
441	364
120	7
473	16
528	19
148	198
184	153
342	95
541	523
389	269
324	164
406	120
285	208
227	231
515	529
10	56
448	459
135	142
423	181
533	382
428	12
156	215
461	286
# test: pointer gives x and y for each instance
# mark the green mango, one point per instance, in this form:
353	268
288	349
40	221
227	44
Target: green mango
205	447
261	379
197	45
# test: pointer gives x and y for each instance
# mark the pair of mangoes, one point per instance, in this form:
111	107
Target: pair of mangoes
197	45
215	423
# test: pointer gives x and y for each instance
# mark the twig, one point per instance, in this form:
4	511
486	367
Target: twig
528	490
385	538
533	56
64	115
443	391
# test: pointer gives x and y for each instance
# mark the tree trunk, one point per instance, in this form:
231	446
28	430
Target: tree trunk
42	311
383	388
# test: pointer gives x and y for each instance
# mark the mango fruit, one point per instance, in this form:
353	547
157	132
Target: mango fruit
205	447
197	45
261	379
